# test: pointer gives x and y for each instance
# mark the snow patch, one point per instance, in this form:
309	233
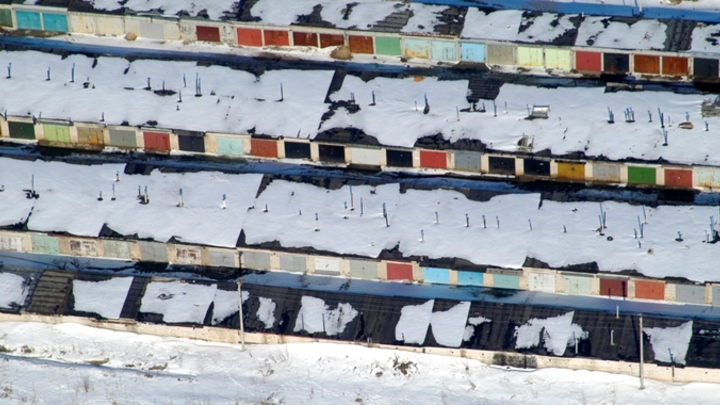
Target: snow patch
414	321
178	302
557	333
314	316
105	298
472	323
670	345
448	327
225	304
13	290
266	312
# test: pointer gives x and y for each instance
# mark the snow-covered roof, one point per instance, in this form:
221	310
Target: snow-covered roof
604	32
105	298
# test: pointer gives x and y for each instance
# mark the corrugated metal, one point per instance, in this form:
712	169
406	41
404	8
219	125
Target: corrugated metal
613	287
325	265
691	294
500	54
501	165
253	37
365	156
209	34
116	249
470	278
646	64
588	61
536	167
541	282
571	171
674	65
191	143
83	247
466	160
90	136
275	38
28	20
433	159
11	243
331	153
436	275
56	133
153	251
6	18
416	48
256	260
188	255
264	147
606	172
708	178
327	40
21	130
399	271
558	58
297	150
123	138
222	258
55	22
293	263
706	67
363	269
617	63
641	175
156	140
443	50
678	178
529	56
716	295
45	244
577	285
471	52
305	39
230	146
110	25
389	46
361	44
154	30
398	158
506	281
652	290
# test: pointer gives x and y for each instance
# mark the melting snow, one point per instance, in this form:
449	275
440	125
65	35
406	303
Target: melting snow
266	312
12	290
314	316
670	345
448	327
178	302
105	298
557	333
226	304
470	328
414	321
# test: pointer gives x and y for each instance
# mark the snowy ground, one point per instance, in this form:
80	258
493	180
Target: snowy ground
68	363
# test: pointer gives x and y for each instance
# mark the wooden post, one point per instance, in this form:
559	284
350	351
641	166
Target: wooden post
240	316
642	376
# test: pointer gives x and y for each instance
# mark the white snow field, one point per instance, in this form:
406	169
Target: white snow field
74	364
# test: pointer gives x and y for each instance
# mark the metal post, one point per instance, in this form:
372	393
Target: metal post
240	315
642	375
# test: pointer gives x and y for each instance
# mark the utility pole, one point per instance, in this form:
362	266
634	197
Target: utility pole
240	316
642	376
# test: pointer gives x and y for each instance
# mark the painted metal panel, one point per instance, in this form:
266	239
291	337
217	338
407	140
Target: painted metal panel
433	159
21	130
399	158
191	143
706	67
83	247
471	52
331	153
294	263
264	148
256	260
389	46
274	38
222	258
399	271
541	282
678	178
500	54
117	249
588	61
416	48
153	251
613	287
156	140
506	281
558	58
501	165
90	136
11	243
436	275
363	269
674	65
618	63
55	22
297	150
56	133
641	175
536	167
361	44
472	278
230	146
28	20
443	50
123	138
530	56
6	18
467	160
571	171
716	295
149	29
652	290
188	255
252	37
305	39
324	265
110	25
327	40
606	172
45	244
209	34
365	156
646	64
577	285
691	294
708	178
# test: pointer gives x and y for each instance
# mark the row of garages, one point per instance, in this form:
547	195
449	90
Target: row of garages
437	48
532	279
164	141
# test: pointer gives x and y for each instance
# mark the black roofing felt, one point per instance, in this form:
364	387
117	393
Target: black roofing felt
51	293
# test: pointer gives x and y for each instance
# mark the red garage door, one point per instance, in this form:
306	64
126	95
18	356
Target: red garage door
588	61
652	290
264	148
156	140
613	287
249	37
433	159
210	34
399	271
276	38
678	178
